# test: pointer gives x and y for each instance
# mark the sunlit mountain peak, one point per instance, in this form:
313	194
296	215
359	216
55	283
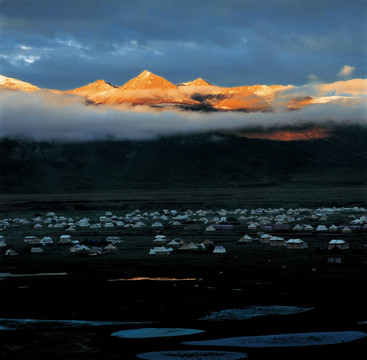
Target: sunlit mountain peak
14	84
148	80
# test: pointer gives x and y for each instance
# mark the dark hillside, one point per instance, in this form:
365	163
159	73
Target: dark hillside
197	161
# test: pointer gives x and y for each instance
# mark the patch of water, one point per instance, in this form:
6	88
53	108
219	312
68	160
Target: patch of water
154	279
154	332
285	340
253	311
15	324
10	275
192	354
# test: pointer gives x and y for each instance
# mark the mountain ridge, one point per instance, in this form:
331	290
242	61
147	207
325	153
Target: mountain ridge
153	90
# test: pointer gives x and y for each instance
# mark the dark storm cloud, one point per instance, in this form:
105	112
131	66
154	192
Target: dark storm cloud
67	43
47	116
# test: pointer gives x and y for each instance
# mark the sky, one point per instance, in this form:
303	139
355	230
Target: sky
64	44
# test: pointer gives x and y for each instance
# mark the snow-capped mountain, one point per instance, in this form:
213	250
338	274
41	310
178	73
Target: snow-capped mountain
14	84
92	89
146	81
153	90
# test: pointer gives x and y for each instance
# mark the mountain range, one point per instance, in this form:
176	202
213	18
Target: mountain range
334	157
153	90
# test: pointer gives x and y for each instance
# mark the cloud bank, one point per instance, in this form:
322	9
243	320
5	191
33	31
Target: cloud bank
45	116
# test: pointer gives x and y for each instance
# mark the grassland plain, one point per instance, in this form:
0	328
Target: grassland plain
93	288
83	179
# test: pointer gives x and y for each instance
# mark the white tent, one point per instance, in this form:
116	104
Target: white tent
114	240
264	238
333	228
160	250
296	244
210	228
341	244
10	252
173	243
110	247
47	240
65	239
36	250
160	240
77	248
207	243
276	241
29	238
346	230
219	250
245	239
157	225
321	228
188	247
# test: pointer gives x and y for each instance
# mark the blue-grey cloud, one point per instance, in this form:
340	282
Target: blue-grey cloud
67	43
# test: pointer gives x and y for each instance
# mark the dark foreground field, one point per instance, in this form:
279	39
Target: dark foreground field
254	274
210	171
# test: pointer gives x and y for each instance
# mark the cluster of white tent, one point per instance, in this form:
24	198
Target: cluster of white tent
36	245
273	240
164	246
253	218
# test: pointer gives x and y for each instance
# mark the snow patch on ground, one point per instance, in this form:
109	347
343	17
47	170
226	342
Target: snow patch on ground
154	332
192	354
285	340
253	311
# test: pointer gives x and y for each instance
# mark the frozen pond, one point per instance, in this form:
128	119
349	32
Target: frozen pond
253	311
192	354
15	324
285	340
154	332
